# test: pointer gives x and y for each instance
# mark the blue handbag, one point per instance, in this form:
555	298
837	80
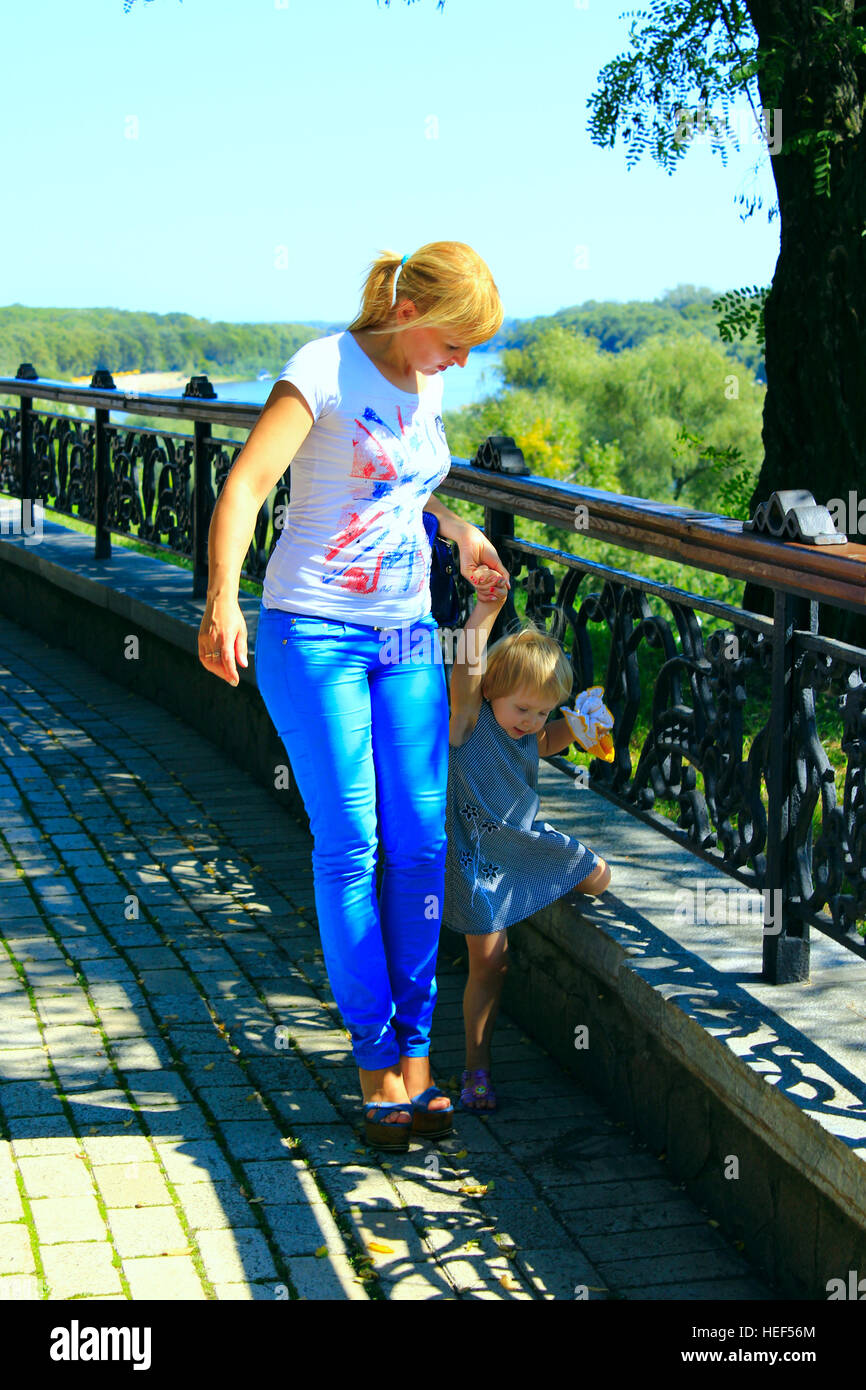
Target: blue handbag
444	598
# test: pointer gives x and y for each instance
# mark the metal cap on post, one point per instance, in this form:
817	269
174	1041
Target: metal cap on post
200	388
102	380
500	454
793	514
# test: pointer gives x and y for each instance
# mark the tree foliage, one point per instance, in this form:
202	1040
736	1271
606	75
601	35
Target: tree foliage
687	63
64	343
652	420
683	311
675	419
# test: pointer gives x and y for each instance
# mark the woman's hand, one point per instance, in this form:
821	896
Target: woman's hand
490	586
480	564
222	638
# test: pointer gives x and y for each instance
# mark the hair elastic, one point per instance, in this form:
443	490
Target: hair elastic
404	260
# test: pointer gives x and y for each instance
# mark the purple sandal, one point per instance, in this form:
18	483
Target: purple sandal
476	1086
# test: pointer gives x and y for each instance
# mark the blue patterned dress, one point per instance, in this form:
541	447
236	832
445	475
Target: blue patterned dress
502	864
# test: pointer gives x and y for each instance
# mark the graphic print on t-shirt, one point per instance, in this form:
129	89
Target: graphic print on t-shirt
383	467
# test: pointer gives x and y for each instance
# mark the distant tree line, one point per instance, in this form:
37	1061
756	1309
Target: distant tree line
683	311
65	343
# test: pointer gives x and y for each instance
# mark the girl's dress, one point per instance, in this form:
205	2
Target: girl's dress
502	864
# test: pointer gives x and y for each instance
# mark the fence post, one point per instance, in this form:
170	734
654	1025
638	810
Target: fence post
26	372
200	496
500	454
786	936
104	381
200	388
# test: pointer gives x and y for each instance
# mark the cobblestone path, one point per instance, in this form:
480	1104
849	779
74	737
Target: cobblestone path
179	1112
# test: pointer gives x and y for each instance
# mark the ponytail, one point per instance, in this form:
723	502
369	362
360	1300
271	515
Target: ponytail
378	292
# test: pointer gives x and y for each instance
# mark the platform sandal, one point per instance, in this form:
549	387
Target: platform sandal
432	1124
382	1134
476	1086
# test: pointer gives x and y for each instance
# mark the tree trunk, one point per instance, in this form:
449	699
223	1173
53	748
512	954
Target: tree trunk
814	429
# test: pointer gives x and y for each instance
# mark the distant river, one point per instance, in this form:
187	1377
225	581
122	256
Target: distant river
482	376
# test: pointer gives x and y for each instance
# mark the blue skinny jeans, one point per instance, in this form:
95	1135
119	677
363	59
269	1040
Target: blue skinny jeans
363	716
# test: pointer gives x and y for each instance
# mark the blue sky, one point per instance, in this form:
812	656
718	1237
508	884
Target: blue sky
246	159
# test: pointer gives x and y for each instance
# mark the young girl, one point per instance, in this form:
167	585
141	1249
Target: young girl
502	864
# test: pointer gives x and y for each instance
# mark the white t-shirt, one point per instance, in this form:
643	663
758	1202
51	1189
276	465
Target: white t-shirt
354	545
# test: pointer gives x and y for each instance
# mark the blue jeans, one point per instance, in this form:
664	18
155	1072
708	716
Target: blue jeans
363	717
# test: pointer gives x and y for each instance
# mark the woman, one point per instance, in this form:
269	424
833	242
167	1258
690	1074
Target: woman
359	412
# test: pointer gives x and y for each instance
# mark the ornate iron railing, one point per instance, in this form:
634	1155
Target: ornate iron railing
721	714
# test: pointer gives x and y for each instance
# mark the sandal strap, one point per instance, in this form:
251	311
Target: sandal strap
423	1099
381	1106
476	1085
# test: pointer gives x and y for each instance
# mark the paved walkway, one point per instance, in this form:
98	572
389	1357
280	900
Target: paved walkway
179	1112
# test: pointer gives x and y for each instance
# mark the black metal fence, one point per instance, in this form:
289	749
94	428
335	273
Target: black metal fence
723	717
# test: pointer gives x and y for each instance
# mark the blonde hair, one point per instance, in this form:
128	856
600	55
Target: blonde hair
528	658
449	284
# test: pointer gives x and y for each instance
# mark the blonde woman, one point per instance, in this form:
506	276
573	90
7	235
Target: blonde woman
358	416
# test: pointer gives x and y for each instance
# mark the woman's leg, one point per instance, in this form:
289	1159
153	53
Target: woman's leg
317	693
410	750
488	964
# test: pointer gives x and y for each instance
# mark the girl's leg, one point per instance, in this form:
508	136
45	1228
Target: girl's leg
312	676
410	750
488	963
597	881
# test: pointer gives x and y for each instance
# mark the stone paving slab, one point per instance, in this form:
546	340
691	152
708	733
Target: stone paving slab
179	1109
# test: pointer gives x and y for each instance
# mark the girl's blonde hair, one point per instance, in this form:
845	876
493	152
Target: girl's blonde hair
528	658
449	284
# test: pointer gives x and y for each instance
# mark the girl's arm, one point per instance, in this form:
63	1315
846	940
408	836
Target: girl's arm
467	672
555	737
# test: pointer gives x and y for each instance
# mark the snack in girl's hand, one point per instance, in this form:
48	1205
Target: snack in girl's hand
590	722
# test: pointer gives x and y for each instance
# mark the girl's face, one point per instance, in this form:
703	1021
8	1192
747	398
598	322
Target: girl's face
433	350
429	349
521	712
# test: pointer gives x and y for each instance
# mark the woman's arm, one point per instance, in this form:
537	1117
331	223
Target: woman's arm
451	526
282	427
475	549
